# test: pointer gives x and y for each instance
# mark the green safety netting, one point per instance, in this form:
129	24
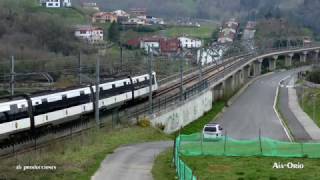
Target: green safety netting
195	145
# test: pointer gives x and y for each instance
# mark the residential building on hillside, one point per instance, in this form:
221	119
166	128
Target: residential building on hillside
187	42
103	17
90	5
152	42
249	31
121	13
89	34
55	3
138	12
169	46
228	31
137	21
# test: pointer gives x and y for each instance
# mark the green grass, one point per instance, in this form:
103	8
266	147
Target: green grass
79	157
251	168
203	32
226	168
163	168
196	126
70	15
308	104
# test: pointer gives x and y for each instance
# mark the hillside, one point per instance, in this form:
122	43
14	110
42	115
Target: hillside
36	30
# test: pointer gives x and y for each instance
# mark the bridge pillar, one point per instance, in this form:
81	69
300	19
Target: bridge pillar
303	56
257	67
237	79
229	85
218	91
316	57
246	72
288	60
241	77
273	63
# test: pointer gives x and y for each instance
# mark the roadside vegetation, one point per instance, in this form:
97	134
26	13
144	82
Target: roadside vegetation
197	126
311	104
206	167
225	168
78	157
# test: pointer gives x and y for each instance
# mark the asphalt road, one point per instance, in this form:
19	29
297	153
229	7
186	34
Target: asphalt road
253	110
131	162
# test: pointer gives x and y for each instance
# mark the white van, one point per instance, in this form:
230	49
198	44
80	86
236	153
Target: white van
212	131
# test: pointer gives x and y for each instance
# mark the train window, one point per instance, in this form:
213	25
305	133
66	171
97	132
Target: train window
64	96
81	93
145	78
44	100
47	117
113	86
37	103
2	117
124	83
137	80
14	108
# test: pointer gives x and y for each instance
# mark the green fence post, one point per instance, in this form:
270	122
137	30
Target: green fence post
225	143
174	152
201	139
184	171
260	141
302	149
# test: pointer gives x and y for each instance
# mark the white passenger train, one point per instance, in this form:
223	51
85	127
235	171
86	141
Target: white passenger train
29	112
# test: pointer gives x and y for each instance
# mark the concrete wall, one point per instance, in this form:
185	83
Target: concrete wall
180	116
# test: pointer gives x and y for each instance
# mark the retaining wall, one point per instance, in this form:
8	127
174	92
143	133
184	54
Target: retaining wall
182	114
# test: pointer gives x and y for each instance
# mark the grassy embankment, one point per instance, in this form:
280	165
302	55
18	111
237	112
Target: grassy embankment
311	102
78	157
163	167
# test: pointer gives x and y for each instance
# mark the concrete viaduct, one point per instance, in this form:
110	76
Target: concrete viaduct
252	67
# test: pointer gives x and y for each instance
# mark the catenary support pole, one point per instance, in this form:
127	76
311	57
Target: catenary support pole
12	76
97	115
79	68
150	59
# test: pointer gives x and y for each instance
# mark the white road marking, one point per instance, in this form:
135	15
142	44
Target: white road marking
277	113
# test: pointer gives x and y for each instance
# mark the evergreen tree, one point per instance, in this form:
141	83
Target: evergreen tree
114	32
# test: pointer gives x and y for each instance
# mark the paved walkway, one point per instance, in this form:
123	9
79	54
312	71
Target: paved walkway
311	128
131	162
297	130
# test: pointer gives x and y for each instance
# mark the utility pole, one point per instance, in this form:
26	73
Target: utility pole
181	78
200	64
121	57
150	58
12	76
97	116
79	68
314	107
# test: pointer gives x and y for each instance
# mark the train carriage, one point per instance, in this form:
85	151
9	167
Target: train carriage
23	113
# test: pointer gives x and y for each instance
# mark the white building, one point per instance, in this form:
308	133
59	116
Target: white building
121	13
138	21
55	3
187	42
89	34
152	43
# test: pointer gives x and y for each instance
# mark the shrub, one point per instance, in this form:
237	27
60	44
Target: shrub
144	122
